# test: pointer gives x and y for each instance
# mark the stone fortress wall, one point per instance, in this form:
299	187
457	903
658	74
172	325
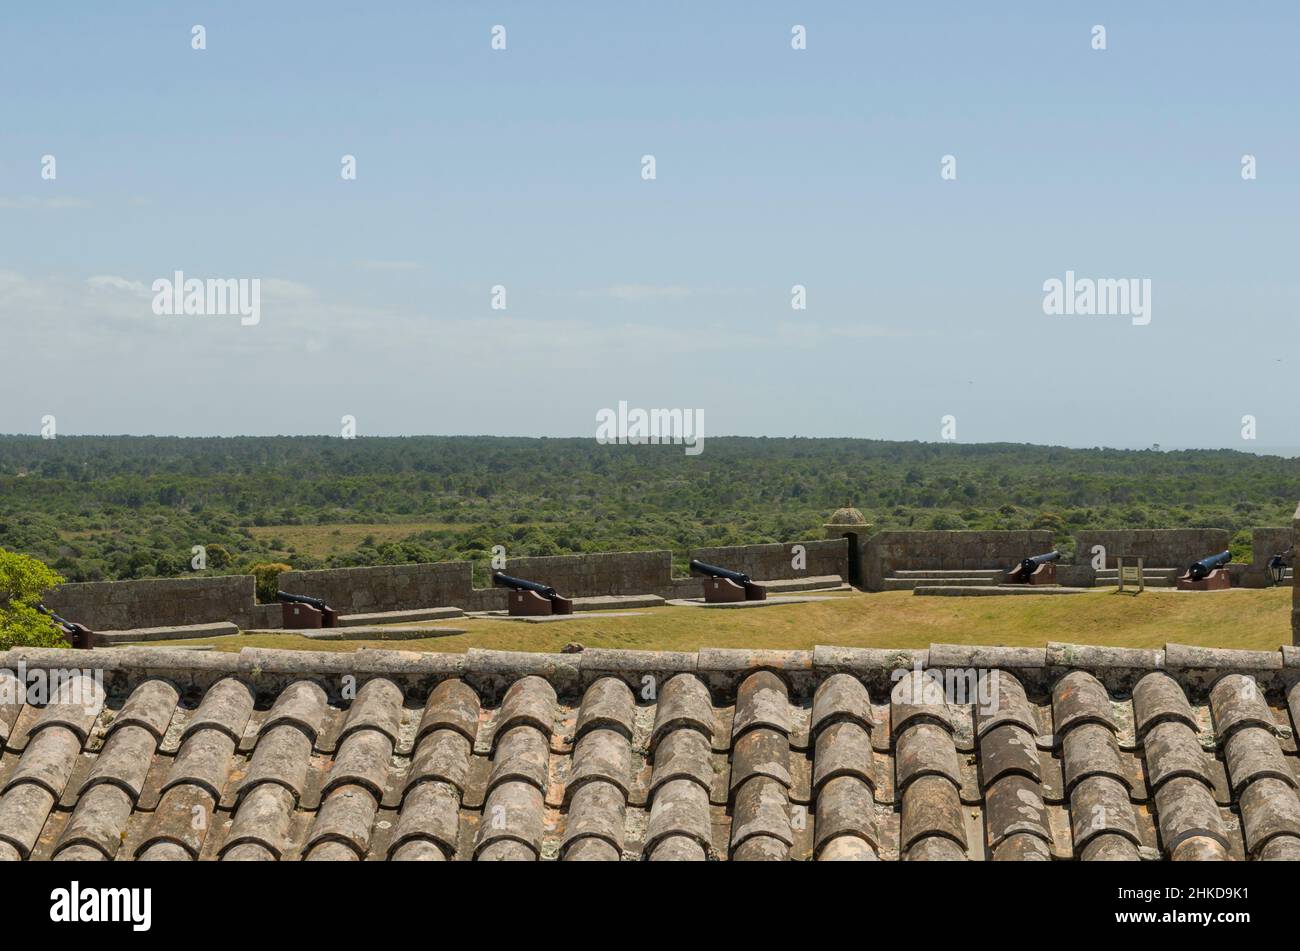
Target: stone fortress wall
161	602
776	562
119	605
891	551
384	587
1159	548
1267	542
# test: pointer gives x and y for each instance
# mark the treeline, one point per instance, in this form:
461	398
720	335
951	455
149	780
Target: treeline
131	507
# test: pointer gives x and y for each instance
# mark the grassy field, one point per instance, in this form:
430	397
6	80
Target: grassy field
321	541
1241	618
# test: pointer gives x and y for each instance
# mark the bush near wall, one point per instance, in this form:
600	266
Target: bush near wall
1242	548
268	580
23	581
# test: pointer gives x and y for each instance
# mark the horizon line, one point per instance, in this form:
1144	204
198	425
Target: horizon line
1280	450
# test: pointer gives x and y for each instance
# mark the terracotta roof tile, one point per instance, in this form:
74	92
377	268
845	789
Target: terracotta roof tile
760	771
427	830
1006	750
345	818
178	825
262	824
602	755
1011	772
1188	813
1157	698
683	702
1086	753
844	749
1237	701
1009	706
226	707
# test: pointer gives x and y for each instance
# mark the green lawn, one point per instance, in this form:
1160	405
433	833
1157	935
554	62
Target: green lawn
1242	619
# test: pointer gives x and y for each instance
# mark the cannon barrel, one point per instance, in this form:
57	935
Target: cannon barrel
713	571
1033	561
77	635
287	598
1202	568
519	584
64	623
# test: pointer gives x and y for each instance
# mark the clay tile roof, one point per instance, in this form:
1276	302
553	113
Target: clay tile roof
835	754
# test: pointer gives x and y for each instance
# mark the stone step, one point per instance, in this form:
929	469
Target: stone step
163	647
609	602
771	602
1146	572
951	573
365	632
910	584
1008	590
409	616
813	583
1154	572
557	618
175	632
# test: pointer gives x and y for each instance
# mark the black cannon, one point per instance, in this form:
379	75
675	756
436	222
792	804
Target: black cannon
1205	566
1279	563
1208	574
531	598
1036	569
301	611
77	635
724	586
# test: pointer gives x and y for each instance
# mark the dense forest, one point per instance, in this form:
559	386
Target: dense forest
133	507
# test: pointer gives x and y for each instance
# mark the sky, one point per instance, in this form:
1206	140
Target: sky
773	167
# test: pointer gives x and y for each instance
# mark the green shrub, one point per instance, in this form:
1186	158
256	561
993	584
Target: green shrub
1242	549
268	579
23	580
1051	521
219	557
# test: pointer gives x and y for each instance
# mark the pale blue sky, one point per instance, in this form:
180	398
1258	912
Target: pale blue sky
775	167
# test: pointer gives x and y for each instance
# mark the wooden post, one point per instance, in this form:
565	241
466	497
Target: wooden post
1141	578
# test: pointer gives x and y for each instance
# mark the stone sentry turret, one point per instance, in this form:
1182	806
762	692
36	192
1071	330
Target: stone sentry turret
848	522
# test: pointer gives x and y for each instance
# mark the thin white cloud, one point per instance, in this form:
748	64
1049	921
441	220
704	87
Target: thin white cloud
637	293
284	291
110	313
29	202
390	265
112	282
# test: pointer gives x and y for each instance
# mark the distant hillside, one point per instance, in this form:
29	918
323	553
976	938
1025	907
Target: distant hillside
124	507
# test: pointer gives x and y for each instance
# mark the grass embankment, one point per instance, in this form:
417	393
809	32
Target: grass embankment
1240	619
